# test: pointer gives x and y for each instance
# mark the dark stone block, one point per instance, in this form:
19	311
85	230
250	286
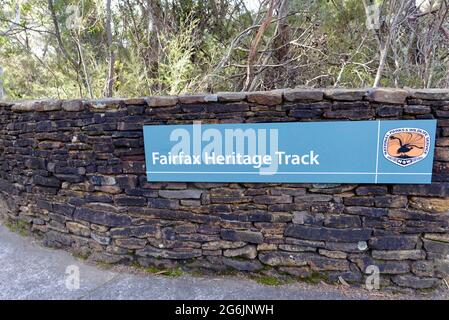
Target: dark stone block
414	282
441	248
327	234
142	193
358	114
126	181
359	201
242	265
363	261
144	231
371	190
136	167
64	209
389	111
396	242
44	204
103	198
46	181
35	163
70	178
168	254
368	212
435	189
327	207
102	218
163	203
342	221
240	235
305	113
390	201
57	240
123	200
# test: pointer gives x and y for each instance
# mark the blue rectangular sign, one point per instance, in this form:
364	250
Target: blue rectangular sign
294	152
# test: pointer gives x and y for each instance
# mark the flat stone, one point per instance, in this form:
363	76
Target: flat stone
350	114
300	272
321	263
131	243
231	96
342	221
332	254
437	237
268	98
266	247
78	229
101	239
363	261
389	111
417	109
442	142
304	217
217	245
242	265
395	242
181	194
327	234
124	200
346	247
442	154
295	95
430	94
387	95
134	101
345	94
438	205
305	243
168	254
103	104
46	181
327	207
296	248
441	248
48	105
423	268
101	218
194	98
371	190
72	105
399	255
25	106
367	211
162	101
241	235
273	199
249	252
390	201
286	259
415	282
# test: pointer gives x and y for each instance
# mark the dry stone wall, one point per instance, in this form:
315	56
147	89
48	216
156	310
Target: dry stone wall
73	173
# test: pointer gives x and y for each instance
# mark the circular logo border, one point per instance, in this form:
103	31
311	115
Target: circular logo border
410	161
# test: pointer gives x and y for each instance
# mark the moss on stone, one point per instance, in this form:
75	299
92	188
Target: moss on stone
20	227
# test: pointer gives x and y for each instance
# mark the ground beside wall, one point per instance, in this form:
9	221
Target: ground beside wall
73	173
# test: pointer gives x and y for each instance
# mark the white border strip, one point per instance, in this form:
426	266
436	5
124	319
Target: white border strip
289	173
377	151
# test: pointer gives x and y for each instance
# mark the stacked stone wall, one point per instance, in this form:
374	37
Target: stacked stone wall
73	173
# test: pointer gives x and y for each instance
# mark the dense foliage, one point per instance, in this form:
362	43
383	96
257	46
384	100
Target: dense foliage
104	48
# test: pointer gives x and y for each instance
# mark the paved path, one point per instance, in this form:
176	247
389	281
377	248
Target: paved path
29	271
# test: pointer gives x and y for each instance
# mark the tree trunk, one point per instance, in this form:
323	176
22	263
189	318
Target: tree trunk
111	74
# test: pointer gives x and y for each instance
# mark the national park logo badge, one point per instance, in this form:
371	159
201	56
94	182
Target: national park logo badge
406	146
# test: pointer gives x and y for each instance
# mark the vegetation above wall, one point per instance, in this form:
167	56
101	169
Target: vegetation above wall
94	49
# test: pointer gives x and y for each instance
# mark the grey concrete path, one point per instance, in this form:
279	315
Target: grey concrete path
29	271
